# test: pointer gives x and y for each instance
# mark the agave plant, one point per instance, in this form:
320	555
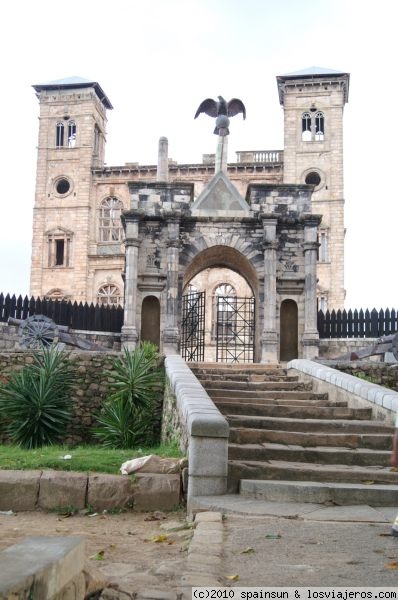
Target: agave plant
136	376
35	403
130	416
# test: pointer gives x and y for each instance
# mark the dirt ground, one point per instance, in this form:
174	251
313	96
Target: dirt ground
136	551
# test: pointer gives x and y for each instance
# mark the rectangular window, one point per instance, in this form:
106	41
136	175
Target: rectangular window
59	252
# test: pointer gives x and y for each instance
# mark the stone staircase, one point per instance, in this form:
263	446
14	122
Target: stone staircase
288	443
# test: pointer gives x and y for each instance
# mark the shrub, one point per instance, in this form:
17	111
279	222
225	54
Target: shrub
131	415
35	403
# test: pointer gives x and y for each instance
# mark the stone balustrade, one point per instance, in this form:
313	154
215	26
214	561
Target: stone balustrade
203	427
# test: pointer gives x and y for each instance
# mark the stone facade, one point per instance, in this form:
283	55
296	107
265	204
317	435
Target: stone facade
79	251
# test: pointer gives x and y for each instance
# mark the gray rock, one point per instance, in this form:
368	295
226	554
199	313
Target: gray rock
19	490
60	489
157	492
107	492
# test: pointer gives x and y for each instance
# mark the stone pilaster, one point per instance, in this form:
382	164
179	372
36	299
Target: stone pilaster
269	352
132	243
310	247
171	334
221	154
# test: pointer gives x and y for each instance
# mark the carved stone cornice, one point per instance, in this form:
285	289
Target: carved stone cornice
308	246
173	243
136	242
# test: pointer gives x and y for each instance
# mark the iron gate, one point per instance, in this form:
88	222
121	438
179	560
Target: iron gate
193	326
235	329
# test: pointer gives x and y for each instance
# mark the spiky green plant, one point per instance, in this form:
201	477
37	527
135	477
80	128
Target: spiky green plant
131	415
136	376
35	402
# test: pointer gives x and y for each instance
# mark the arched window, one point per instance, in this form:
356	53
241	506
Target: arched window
306	127
109	295
71	134
224	310
59	134
110	226
319	126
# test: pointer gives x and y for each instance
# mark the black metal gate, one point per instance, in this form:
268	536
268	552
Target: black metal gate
235	329
193	326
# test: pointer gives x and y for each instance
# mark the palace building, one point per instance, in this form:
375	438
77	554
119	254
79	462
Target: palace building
268	226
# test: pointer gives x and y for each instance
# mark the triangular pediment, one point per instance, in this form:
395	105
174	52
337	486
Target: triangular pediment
220	196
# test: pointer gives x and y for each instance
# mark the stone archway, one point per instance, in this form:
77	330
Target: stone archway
288	330
225	265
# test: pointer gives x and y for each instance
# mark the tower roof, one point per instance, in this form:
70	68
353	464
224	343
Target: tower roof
75	82
312	73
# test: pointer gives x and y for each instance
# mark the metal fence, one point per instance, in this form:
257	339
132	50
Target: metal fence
75	315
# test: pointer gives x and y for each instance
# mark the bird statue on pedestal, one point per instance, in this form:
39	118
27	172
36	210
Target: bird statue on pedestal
222	110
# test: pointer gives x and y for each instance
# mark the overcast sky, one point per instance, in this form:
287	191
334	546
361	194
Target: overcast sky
158	59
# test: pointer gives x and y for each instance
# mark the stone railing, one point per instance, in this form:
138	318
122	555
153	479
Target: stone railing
341	386
259	156
205	429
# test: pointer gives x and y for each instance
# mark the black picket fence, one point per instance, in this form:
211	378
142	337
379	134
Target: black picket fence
81	316
357	323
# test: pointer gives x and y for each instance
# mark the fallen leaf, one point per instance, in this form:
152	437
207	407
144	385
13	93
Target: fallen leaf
232	577
112	546
272	536
368	482
151	518
159	538
98	556
248	550
385	535
392	565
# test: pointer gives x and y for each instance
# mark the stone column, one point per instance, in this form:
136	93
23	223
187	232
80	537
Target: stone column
221	154
310	247
163	160
269	352
171	333
132	243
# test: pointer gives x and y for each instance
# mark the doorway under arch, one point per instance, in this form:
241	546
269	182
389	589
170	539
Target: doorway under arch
150	320
229	284
288	330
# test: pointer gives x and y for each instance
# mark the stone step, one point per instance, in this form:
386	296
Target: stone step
255	386
241	395
310	425
299	471
298	412
236	368
342	494
247	377
319	454
281	402
375	441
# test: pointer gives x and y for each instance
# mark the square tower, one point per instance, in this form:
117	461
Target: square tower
71	143
313	102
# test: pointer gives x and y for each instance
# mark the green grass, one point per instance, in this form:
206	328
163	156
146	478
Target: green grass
95	459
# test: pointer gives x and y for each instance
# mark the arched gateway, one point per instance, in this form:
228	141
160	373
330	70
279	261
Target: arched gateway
269	239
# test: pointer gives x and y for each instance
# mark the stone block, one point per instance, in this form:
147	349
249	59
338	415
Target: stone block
42	567
59	489
208	517
156	492
208	456
19	490
106	492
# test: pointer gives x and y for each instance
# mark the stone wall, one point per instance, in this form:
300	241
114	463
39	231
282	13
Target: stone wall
384	374
88	393
172	426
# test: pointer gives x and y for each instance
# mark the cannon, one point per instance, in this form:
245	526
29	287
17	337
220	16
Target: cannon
38	331
388	343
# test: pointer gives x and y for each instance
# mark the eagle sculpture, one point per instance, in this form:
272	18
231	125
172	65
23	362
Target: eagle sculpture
221	110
